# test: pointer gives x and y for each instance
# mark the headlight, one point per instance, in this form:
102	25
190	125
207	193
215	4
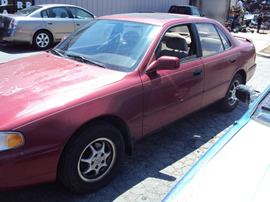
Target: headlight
10	140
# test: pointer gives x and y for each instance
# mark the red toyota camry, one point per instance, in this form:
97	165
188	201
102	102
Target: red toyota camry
74	111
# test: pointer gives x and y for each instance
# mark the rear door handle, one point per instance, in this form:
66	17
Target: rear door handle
197	72
50	23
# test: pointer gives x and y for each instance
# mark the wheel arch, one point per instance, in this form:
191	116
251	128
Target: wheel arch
122	126
41	29
243	74
117	122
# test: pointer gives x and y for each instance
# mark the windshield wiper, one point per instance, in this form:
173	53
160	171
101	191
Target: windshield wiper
265	108
53	51
83	59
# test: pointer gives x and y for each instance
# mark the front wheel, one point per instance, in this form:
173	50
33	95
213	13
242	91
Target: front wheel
229	102
91	158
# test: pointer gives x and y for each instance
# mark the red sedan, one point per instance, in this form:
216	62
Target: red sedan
74	111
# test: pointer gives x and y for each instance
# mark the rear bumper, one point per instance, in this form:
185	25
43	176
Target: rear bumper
251	72
7	35
15	35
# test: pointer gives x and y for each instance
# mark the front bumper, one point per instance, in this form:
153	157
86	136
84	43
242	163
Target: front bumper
19	170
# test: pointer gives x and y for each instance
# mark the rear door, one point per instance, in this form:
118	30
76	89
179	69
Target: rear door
58	21
220	61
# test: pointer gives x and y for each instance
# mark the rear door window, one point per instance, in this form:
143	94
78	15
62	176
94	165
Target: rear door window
79	13
226	42
211	43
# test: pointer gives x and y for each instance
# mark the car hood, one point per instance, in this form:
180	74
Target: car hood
44	81
240	171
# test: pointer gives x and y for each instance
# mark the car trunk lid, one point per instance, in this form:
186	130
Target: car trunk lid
7	22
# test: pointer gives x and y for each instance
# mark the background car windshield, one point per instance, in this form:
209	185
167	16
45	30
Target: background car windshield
117	45
27	11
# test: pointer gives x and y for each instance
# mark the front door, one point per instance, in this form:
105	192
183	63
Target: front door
58	22
172	94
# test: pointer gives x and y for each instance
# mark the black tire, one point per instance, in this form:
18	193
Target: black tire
92	158
229	102
42	40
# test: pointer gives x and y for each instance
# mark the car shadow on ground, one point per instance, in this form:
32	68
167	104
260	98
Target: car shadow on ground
11	48
151	157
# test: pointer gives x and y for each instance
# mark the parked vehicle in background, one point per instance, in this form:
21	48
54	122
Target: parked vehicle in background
43	25
237	167
185	9
74	111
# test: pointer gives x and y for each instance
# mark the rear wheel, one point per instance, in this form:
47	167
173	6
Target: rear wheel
229	102
92	158
42	40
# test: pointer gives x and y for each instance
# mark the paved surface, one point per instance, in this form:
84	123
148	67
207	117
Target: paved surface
261	41
161	159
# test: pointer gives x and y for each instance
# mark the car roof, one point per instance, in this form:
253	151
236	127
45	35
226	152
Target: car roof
156	18
54	5
183	6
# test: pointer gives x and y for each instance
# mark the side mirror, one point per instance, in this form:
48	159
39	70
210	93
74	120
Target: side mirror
246	94
164	62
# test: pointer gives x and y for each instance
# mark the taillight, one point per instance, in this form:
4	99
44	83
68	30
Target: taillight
13	24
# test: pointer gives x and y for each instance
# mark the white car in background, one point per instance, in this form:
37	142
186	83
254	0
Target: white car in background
43	25
237	167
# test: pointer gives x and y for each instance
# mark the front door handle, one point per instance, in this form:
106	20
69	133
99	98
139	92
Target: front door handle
197	72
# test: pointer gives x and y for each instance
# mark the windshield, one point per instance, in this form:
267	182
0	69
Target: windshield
27	11
116	45
262	113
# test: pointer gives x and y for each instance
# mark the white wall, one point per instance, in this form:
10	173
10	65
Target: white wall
107	7
233	3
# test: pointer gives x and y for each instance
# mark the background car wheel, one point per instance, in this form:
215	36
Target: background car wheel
42	40
229	102
92	158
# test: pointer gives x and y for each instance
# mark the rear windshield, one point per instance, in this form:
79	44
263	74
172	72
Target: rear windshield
27	11
180	10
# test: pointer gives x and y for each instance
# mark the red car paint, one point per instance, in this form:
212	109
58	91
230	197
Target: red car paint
47	98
